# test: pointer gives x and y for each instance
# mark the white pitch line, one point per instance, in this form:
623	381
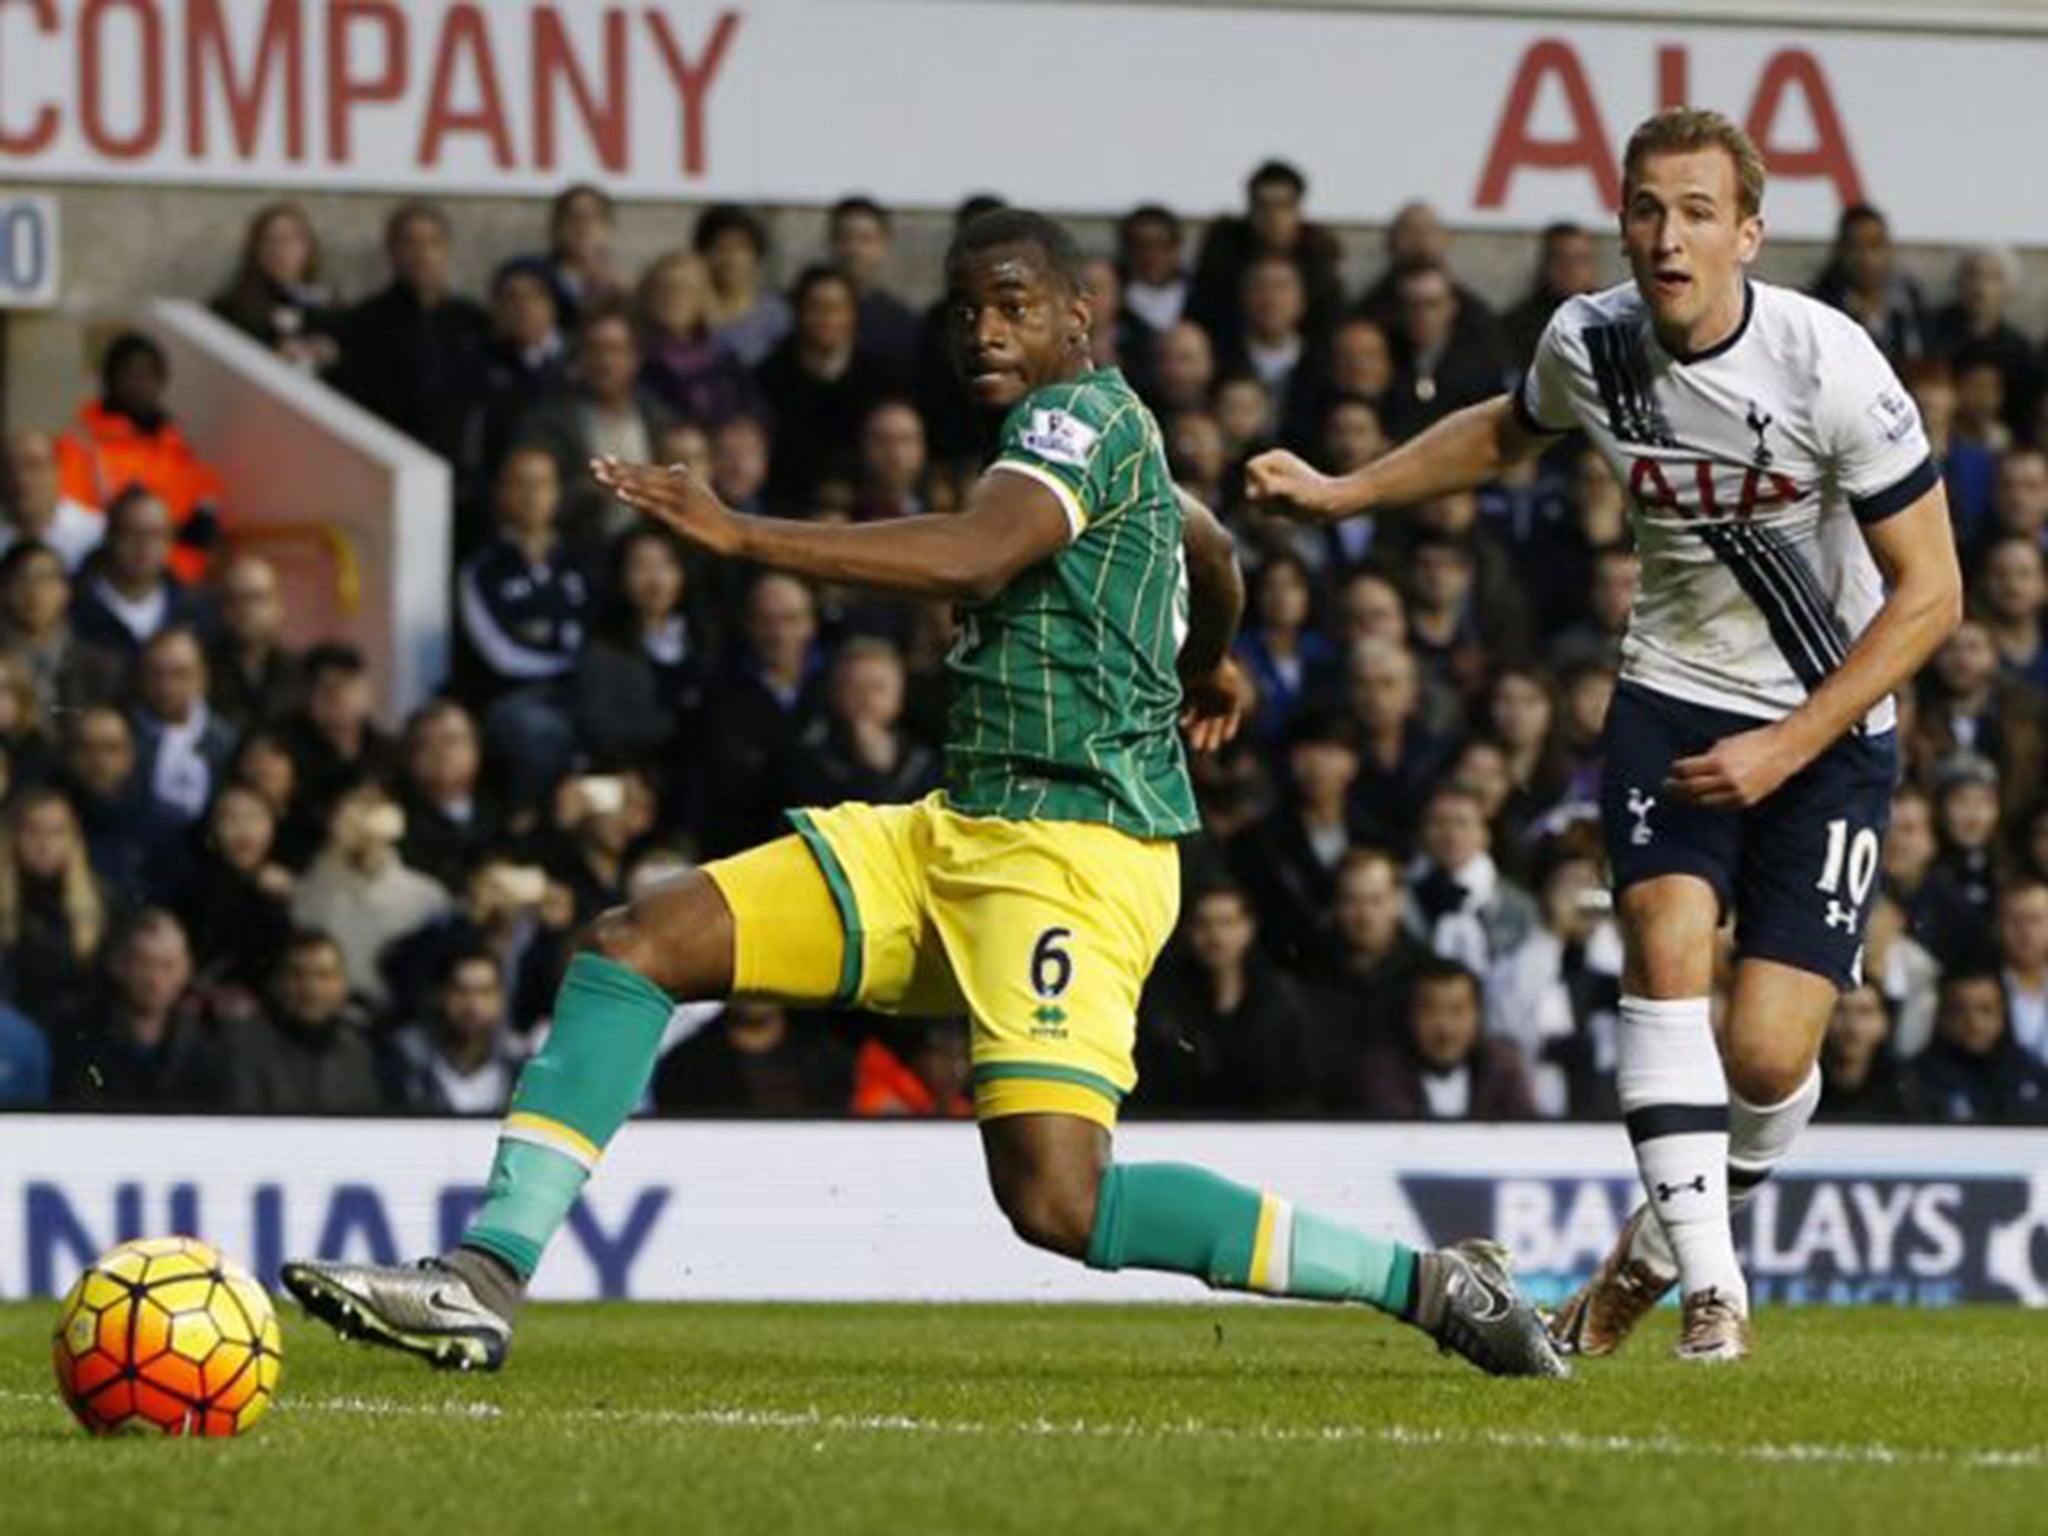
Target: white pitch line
1406	1437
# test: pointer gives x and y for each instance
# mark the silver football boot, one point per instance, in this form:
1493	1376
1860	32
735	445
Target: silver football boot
1467	1302
425	1309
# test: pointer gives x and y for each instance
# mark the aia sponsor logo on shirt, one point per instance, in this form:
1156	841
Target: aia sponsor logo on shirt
1709	490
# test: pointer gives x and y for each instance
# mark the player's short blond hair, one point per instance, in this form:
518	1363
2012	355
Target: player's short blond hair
1686	130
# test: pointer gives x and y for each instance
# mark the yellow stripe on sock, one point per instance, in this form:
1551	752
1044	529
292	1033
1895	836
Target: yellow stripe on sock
1262	1245
552	1133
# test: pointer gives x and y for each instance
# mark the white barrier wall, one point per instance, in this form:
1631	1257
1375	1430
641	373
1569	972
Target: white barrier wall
849	1211
340	502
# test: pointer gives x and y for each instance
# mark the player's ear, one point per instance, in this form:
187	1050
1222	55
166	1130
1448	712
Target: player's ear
1751	239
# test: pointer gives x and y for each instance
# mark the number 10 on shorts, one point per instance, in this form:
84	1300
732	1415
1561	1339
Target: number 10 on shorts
1852	856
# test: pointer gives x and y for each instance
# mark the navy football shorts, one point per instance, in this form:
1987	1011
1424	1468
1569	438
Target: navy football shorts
1799	869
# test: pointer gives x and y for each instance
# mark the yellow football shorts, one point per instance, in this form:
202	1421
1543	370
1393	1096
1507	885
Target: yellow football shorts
1042	933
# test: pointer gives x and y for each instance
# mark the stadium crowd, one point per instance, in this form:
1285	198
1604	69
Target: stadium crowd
224	885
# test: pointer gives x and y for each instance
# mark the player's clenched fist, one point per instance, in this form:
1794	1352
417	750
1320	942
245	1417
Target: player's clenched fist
1280	481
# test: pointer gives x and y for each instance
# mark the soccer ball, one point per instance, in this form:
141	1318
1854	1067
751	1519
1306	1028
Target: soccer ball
165	1334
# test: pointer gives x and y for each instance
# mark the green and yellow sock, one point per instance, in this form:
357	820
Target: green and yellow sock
1188	1221
570	1101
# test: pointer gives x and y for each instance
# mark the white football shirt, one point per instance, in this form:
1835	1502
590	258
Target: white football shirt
1749	468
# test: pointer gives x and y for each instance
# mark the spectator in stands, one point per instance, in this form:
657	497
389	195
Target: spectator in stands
757	713
36	506
820	385
583	226
35	629
605	413
266	760
1977	329
2019	501
1245	411
1151	249
1459	903
1558	996
334	743
692	372
1566	266
133	593
1221	1027
1862	279
1280	646
857	237
55	912
461	1060
1272	224
25	746
414	353
182	747
755	1061
1416	237
1907	974
1445	632
859	749
893	463
1981	405
2014	582
1521	720
639	677
739	464
309	1053
239	899
1967	816
279	293
1359	365
1183	369
1401	755
1369	606
2023	962
1115	338
361	892
1361	986
153	1040
1195	455
1444	1066
1287	862
127	836
1611	587
1968	470
526	361
1273	345
1966	705
523	601
746	314
599	820
509	910
1975	1071
252	675
25	1065
1929	902
452	821
923	1071
1859	1077
126	441
1444	360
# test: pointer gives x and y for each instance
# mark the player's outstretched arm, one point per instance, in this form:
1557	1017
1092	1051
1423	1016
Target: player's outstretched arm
1010	524
1915	549
1216	689
1465	449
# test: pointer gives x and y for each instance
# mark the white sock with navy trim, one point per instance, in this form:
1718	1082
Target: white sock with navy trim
1674	1100
1759	1136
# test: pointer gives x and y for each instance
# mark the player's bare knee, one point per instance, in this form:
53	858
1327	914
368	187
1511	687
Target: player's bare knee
1763	1076
623	936
1055	1214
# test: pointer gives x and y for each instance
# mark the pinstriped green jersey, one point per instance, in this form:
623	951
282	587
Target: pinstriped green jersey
1066	700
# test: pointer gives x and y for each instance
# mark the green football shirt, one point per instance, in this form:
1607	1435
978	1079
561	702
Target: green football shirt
1066	701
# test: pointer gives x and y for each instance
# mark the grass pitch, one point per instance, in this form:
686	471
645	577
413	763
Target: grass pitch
1072	1421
